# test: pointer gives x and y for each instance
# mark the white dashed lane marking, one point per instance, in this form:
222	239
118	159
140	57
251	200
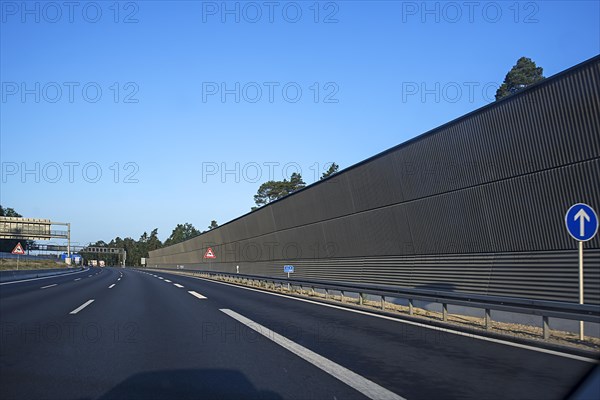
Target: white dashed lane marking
49	286
81	307
198	295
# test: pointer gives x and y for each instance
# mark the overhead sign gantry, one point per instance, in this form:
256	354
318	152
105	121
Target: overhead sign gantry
107	250
34	229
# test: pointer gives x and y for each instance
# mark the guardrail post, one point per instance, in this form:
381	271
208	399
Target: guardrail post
546	328
383	302
488	319
445	311
410	307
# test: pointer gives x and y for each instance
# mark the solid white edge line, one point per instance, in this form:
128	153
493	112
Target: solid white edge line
44	277
195	294
112	286
49	286
435	328
178	285
81	307
352	379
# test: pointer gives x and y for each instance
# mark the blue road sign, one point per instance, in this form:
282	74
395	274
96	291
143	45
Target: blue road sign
582	222
288	268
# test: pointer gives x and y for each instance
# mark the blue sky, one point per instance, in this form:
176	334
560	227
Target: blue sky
386	71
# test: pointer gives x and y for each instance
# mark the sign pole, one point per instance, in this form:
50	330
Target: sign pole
288	282
582	224
18	256
581	333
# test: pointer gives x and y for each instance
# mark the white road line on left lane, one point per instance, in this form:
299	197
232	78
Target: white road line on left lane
43	277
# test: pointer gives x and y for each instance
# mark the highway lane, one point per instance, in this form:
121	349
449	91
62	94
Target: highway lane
181	337
143	338
409	360
24	298
15	287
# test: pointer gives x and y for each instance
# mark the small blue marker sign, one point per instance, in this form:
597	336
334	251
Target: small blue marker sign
288	269
582	222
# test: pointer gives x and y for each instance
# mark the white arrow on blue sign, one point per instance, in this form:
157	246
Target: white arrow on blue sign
582	222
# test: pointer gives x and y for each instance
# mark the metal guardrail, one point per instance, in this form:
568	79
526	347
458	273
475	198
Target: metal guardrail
544	308
15	276
11	256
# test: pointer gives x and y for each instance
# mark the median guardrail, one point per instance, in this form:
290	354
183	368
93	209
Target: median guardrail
13	275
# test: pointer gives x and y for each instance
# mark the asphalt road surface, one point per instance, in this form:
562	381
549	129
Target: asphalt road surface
122	333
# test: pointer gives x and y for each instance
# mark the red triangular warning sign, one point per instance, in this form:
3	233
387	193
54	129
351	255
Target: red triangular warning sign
209	253
18	249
